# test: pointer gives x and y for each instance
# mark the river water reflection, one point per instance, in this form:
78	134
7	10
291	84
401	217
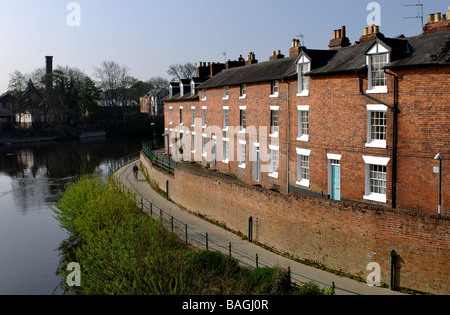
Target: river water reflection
32	178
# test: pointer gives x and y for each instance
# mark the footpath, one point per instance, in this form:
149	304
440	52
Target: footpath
344	286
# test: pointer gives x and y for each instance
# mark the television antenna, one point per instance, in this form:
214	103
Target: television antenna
224	56
420	11
302	39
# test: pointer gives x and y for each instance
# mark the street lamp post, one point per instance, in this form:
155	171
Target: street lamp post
440	158
154	136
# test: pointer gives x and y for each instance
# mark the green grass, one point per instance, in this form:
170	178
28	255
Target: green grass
121	251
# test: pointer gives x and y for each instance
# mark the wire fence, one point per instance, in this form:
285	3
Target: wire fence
195	238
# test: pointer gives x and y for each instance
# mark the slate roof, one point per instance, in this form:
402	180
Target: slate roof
259	72
432	49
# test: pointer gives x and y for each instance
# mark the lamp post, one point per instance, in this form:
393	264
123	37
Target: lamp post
440	158
154	136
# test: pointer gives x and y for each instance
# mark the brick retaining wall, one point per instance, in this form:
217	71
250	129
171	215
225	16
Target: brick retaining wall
343	237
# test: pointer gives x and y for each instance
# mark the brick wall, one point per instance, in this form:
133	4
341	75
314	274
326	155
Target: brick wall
344	237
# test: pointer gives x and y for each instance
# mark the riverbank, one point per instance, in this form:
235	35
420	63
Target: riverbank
127	252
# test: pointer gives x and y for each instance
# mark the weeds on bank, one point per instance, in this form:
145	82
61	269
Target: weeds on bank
121	251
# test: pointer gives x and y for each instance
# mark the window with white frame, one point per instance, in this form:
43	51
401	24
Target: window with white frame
274	89
226	150
274	161
303	123
181	115
192	87
171	137
204	116
193	138
376	178
303	167
225	92
170	115
376	126
204	145
243	93
225	117
193	115
242	118
242	154
303	67
377	59
203	94
274	126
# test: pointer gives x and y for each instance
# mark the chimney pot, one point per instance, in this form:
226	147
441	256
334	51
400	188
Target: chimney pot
430	18
437	17
278	52
366	31
343	31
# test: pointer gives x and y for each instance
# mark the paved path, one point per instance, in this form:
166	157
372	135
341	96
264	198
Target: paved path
344	286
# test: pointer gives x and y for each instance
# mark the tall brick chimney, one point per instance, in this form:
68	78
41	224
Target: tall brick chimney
49	64
339	39
437	23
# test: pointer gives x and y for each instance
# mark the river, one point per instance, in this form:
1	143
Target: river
32	179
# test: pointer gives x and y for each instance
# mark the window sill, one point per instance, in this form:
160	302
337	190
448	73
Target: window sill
378	90
303	138
243	166
303	93
376	197
226	161
273	175
225	98
273	135
303	182
243	97
376	144
274	95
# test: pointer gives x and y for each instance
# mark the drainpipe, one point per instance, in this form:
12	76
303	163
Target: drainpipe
395	112
287	139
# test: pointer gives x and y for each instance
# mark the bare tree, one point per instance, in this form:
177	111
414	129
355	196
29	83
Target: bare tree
112	79
180	71
18	84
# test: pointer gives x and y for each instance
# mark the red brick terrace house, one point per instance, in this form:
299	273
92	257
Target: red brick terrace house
359	123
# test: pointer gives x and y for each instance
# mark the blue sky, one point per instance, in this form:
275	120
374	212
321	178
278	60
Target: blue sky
149	35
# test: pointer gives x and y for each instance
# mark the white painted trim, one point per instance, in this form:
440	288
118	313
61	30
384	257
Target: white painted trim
331	156
374	160
304	152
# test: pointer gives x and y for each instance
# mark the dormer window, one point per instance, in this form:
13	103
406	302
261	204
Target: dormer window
192	87
203	94
377	58
303	67
181	89
170	91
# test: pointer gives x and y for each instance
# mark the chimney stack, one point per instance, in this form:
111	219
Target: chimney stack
339	39
295	49
251	59
437	23
370	33
276	55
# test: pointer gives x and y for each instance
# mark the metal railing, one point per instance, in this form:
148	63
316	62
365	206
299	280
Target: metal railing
203	240
160	162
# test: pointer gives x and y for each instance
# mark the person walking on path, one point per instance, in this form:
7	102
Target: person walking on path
135	171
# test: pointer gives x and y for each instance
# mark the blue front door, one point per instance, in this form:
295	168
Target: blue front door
256	165
336	182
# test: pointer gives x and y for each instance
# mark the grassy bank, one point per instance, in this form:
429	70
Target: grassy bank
122	251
